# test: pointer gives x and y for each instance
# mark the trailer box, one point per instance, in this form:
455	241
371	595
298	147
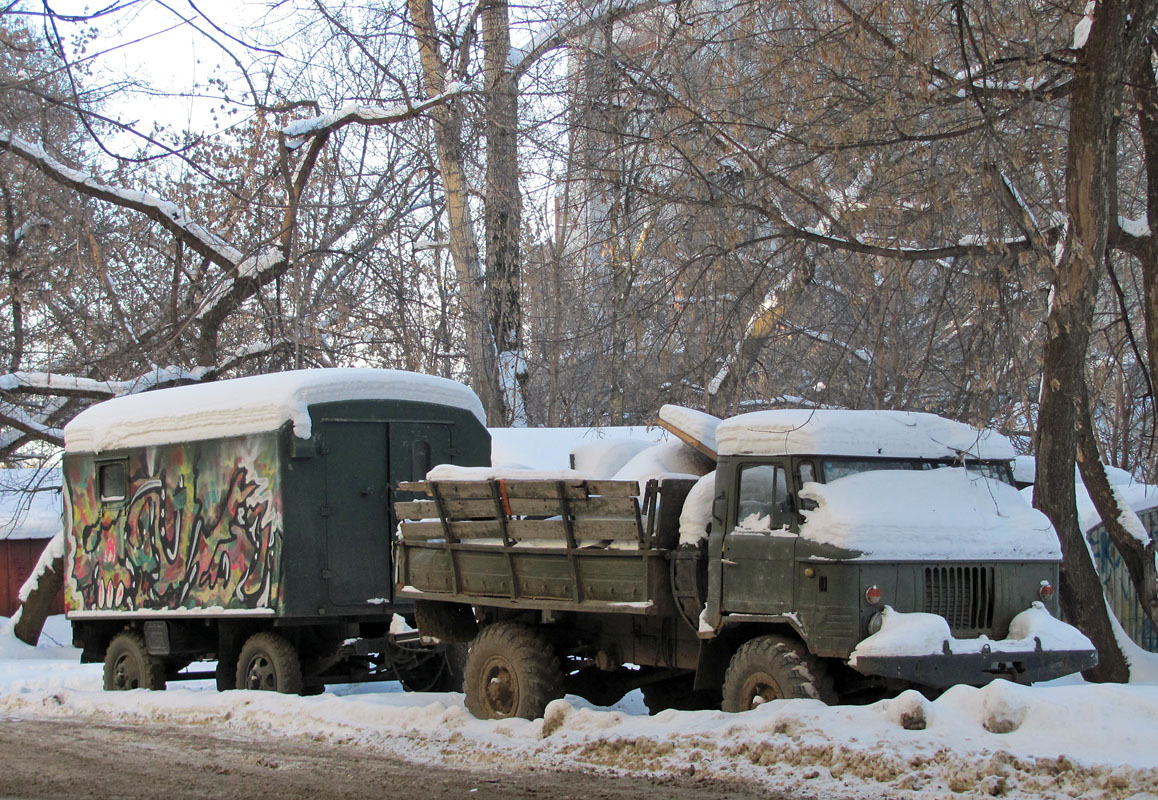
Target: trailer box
268	499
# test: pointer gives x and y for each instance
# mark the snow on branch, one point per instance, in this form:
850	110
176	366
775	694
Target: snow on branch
58	390
200	239
16	417
22	231
1138	228
254	271
862	354
49	383
298	131
967	246
57	385
577	23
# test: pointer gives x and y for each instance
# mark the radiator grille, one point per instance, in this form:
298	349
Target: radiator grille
962	595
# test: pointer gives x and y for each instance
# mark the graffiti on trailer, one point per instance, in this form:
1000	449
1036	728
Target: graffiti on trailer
200	526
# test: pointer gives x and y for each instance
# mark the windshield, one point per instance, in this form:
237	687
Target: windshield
836	468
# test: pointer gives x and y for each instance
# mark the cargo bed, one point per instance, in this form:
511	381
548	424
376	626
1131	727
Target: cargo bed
552	544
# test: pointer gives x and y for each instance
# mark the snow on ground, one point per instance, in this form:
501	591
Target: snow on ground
1066	739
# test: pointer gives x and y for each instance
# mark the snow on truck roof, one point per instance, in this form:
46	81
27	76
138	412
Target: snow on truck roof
897	434
256	404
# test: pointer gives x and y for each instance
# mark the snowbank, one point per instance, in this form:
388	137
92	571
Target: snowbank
961	516
602	459
667	460
905	434
250	405
550	448
55	637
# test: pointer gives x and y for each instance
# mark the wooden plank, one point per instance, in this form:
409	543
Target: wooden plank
688	439
614	488
526	488
523	530
580	507
518	507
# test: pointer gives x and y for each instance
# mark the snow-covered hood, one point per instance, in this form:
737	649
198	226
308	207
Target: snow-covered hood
920	515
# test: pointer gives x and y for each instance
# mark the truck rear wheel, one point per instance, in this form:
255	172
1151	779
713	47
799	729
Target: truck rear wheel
268	662
511	671
128	665
773	668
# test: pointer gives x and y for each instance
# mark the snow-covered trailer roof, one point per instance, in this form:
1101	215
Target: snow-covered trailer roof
256	404
894	434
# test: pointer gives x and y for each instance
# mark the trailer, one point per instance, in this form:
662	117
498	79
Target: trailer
248	522
831	555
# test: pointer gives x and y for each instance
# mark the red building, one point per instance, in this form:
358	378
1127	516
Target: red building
29	518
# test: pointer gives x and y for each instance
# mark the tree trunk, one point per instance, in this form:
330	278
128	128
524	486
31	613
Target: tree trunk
34	610
503	215
1115	36
447	126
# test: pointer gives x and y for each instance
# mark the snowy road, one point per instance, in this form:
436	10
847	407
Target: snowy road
1070	740
50	759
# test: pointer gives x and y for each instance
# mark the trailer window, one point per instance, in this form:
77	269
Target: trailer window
113	482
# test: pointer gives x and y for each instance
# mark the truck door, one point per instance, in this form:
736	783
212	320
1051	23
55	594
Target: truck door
758	548
356	512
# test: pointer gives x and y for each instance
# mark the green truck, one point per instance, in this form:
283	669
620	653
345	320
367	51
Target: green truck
248	522
830	555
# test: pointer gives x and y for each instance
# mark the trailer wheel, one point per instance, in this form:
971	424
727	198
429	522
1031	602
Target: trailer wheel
268	662
773	668
128	665
511	671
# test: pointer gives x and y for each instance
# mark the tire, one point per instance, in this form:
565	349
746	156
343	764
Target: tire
773	668
511	671
268	662
678	693
128	665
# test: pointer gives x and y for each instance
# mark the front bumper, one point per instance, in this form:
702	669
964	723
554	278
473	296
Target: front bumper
977	669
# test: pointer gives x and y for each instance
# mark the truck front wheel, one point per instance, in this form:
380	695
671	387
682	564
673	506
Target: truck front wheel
128	665
511	671
269	662
773	668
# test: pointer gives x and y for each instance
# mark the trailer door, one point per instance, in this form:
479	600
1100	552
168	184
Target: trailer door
356	513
